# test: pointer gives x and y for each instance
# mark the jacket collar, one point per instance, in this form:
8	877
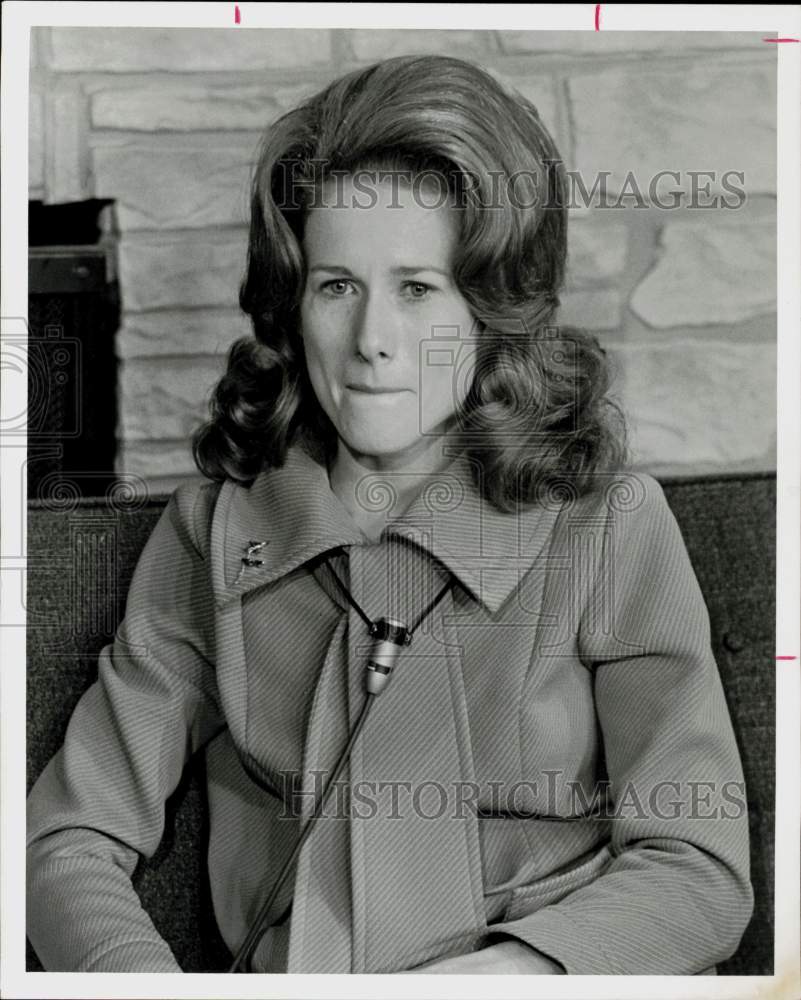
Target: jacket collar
294	511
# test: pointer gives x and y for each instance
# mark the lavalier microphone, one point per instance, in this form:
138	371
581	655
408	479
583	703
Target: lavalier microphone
390	636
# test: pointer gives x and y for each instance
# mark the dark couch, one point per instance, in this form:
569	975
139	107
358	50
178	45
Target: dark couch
81	557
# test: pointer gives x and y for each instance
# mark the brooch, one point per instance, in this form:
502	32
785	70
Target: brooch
251	549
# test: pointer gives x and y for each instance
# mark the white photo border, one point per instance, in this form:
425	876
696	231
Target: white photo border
772	20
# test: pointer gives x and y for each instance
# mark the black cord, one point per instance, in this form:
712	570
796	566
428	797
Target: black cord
257	931
349	597
426	611
433	604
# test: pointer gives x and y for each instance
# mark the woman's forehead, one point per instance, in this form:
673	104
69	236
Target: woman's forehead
373	216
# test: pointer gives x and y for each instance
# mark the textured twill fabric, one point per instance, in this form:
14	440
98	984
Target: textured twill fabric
575	645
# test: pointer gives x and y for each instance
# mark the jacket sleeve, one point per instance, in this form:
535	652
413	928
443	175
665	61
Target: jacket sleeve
675	897
99	803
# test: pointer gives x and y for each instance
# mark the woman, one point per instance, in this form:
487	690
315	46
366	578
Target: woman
407	449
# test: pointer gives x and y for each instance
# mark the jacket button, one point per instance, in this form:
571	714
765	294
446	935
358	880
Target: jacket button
734	642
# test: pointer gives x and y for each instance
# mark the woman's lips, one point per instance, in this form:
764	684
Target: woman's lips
375	391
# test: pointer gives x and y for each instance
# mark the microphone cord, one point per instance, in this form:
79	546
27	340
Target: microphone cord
257	929
390	635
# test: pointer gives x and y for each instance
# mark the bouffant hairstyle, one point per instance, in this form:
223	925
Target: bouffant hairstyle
537	410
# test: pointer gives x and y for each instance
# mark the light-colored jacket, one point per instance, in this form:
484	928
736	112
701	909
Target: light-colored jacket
552	761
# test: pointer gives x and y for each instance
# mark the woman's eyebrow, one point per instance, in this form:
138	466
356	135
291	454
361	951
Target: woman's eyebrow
405	270
420	267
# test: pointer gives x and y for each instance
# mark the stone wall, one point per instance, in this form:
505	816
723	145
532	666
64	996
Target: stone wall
166	122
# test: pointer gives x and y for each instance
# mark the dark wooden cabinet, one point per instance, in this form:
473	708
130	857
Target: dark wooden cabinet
73	314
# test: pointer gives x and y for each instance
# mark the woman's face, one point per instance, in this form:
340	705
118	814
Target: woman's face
378	288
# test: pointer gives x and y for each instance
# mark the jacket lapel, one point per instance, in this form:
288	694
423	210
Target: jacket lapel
290	512
486	549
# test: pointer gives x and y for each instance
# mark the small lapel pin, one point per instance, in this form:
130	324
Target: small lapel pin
252	548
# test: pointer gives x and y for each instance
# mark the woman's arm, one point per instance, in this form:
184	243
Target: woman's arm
676	896
507	958
99	803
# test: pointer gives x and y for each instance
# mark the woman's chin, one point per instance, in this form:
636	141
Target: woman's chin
382	449
391	444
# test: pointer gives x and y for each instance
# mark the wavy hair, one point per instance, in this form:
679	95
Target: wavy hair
537	410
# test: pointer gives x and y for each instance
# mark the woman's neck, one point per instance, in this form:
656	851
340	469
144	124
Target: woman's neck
405	479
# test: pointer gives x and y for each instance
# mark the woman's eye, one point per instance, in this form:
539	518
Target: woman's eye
337	287
418	289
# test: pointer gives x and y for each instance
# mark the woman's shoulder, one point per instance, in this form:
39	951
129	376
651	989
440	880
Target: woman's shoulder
191	509
631	491
631	508
625	501
622	491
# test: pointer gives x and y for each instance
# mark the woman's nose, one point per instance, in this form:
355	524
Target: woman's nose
376	329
